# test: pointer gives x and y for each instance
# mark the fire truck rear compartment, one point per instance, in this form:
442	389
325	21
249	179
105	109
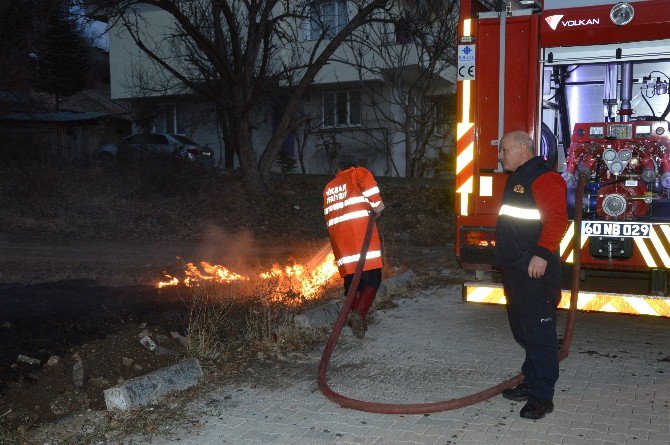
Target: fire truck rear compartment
596	98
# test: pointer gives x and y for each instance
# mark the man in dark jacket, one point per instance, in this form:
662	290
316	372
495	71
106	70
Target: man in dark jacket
531	223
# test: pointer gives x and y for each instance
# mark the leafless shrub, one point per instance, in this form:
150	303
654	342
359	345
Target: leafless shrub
208	318
392	262
222	317
271	324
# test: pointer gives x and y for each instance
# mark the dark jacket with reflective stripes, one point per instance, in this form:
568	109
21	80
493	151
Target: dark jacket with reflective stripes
517	233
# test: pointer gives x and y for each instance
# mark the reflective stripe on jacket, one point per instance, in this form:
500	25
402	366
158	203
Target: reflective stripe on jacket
519	220
347	202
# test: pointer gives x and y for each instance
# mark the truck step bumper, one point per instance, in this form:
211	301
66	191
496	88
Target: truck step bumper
492	293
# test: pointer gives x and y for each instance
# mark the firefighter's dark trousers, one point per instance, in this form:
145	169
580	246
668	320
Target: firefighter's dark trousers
531	310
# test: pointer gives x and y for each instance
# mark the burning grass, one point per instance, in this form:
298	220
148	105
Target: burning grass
229	309
291	285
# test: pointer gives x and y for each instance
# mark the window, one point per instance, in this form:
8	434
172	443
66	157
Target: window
412	111
327	17
180	119
341	108
355	107
171	119
145	139
403	32
440	120
328	109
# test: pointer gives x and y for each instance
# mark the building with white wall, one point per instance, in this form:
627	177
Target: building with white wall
361	102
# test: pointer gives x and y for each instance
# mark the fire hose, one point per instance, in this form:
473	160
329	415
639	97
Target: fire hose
446	405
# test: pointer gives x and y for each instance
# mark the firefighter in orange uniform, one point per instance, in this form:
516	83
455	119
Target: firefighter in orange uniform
348	201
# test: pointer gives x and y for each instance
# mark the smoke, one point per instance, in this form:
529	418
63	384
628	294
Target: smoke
287	273
236	250
242	254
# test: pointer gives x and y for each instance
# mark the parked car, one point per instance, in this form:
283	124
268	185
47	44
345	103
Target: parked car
143	144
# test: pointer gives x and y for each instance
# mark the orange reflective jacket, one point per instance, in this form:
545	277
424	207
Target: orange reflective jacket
347	202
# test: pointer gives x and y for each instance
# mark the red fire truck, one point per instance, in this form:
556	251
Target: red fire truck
589	81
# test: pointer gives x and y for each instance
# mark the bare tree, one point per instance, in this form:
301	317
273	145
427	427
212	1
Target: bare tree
309	124
236	53
410	54
42	49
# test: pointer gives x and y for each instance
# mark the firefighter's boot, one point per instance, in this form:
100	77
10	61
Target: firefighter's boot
367	297
357	323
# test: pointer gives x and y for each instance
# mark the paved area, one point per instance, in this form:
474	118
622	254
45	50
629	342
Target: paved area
613	389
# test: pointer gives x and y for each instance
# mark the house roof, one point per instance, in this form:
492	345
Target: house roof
63	116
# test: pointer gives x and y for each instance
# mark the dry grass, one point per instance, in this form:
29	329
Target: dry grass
7	437
149	200
271	324
168	198
224	318
209	315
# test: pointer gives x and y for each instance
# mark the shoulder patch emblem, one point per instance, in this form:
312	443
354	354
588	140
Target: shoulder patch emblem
518	188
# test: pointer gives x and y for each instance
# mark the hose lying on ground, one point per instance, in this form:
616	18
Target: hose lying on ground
433	407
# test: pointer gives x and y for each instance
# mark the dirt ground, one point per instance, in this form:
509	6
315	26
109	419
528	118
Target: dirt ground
71	302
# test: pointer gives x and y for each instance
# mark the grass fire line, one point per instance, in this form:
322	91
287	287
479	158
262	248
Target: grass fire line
304	281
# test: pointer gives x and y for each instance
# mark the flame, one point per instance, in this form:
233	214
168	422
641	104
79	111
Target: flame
304	281
216	273
291	284
173	282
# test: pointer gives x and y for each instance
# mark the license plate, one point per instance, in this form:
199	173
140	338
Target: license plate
603	228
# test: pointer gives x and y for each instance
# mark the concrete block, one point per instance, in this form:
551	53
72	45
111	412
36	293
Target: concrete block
397	281
154	385
28	360
320	316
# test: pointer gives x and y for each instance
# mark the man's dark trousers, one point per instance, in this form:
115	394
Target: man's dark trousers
531	310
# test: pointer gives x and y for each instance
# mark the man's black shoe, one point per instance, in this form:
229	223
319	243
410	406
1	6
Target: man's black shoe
536	408
519	394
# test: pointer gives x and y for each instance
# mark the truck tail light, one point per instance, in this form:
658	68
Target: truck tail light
477	244
478	236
